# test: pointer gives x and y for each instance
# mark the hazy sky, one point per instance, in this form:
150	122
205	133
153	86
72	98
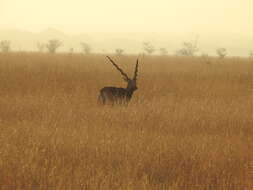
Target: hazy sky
130	16
165	23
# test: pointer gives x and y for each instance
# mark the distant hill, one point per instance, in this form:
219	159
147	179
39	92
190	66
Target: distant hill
25	40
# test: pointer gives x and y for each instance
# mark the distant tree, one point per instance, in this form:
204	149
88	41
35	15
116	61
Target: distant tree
148	47
53	45
163	51
86	48
119	51
221	52
41	47
188	48
5	46
251	53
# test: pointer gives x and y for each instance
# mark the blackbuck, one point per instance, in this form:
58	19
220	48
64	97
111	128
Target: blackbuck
115	95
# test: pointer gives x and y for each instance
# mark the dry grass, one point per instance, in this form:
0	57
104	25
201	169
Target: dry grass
189	126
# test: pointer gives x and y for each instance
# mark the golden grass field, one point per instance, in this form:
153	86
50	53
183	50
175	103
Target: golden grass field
189	125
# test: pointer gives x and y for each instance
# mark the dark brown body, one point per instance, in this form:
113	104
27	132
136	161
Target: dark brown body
117	95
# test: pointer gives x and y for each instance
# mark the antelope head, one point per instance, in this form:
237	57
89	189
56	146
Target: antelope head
131	83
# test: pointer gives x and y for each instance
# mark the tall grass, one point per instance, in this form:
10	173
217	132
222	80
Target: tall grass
188	126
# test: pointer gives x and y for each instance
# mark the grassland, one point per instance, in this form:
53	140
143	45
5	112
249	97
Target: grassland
189	125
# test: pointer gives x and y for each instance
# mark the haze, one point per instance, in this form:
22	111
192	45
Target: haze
227	22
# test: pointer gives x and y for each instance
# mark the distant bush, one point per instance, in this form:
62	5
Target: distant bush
86	48
5	46
148	47
119	51
188	48
221	52
205	58
53	45
163	51
71	50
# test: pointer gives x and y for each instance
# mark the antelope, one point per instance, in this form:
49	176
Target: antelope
119	95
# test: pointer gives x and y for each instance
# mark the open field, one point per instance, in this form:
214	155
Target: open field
188	126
